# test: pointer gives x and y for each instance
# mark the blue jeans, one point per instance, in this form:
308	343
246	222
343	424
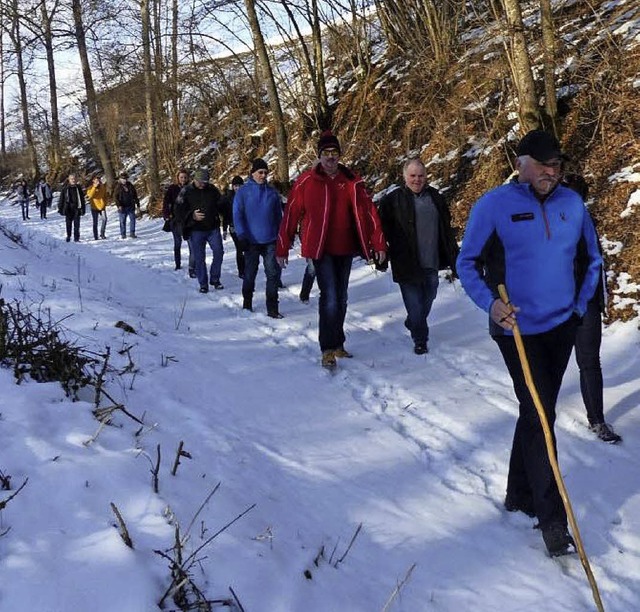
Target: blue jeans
102	216
418	298
24	208
588	340
123	213
271	271
199	240
332	274
177	250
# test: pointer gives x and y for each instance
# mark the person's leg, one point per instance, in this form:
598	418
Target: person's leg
430	291
192	261
412	295
68	220
307	281
272	271
177	247
132	223
215	243
239	255
122	218
251	261
331	273
103	223
588	340
198	245
23	210
94	218
76	226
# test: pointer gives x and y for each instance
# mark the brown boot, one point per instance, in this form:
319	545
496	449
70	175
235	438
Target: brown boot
329	359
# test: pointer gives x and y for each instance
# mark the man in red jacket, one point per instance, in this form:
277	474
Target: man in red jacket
337	221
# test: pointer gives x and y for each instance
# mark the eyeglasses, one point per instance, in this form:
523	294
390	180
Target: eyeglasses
330	153
264	172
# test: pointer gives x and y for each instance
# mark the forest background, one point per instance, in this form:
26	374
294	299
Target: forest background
152	85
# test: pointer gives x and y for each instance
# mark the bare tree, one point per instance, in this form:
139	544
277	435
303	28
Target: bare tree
97	132
272	91
549	63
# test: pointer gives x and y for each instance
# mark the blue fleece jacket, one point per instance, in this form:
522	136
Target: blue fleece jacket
257	212
531	247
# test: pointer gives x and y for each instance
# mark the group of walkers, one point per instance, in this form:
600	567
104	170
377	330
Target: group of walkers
72	204
534	235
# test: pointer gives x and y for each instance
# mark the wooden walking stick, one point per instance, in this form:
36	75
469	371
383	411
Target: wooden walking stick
524	362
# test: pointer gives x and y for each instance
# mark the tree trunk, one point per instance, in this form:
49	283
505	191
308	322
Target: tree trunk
3	135
97	132
55	153
272	91
521	67
149	82
549	65
24	105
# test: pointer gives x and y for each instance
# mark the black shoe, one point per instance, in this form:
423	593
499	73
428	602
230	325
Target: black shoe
247	304
204	289
274	314
68	238
304	298
518	505
605	433
192	274
558	540
420	348
178	267
216	285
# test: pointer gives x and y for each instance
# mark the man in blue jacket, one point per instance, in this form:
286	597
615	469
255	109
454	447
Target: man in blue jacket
526	235
257	212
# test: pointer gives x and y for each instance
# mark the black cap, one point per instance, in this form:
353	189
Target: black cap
259	164
540	145
237	180
328	140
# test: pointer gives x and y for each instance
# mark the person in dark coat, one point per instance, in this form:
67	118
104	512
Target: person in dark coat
23	197
72	205
417	225
126	198
199	213
589	339
227	223
169	214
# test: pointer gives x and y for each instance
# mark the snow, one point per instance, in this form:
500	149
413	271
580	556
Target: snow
413	449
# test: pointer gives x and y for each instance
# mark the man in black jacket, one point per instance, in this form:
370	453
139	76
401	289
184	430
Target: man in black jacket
417	225
72	206
198	211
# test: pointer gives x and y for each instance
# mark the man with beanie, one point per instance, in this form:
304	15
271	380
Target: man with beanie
526	235
227	206
198	210
257	212
337	221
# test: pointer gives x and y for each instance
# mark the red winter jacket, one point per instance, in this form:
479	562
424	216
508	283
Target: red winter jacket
309	208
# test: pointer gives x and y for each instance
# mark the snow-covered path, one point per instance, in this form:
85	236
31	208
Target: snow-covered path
413	448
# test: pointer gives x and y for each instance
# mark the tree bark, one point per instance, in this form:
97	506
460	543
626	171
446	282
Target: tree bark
549	64
272	91
97	132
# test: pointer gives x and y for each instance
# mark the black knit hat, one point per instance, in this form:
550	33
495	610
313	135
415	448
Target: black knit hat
237	180
328	141
259	164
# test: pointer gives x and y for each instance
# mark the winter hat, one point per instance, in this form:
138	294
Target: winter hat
259	164
237	180
201	175
328	141
540	145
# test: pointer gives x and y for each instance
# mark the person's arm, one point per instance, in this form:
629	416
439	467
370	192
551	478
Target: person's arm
594	265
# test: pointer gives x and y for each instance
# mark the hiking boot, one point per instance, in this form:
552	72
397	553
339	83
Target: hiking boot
557	540
329	359
192	274
274	314
217	285
247	304
420	348
512	504
605	433
342	353
304	298
204	289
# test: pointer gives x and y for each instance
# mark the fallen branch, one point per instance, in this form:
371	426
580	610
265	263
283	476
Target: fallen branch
180	453
124	532
398	588
4	502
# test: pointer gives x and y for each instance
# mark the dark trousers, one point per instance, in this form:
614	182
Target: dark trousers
73	222
239	255
530	478
43	209
332	274
271	271
418	299
588	340
177	250
24	209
